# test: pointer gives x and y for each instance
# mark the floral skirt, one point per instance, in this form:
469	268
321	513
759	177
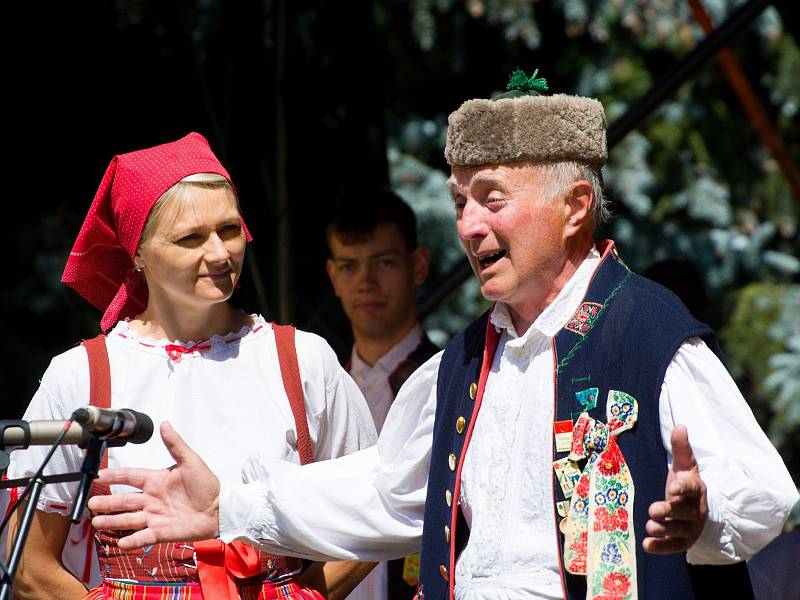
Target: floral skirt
119	590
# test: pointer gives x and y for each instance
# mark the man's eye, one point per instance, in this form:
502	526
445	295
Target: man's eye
347	267
386	263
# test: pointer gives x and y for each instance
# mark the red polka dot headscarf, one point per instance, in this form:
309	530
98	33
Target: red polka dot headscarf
100	267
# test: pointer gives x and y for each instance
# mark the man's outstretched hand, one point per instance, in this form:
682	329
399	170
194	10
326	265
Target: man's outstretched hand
677	521
176	504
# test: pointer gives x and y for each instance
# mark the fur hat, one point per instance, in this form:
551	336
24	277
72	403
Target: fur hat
523	125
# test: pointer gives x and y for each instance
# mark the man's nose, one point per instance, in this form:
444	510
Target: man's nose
471	223
366	277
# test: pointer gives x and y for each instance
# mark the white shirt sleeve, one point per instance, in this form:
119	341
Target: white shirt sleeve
339	418
366	506
750	491
60	390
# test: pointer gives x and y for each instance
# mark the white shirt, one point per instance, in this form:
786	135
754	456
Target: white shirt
370	505
373	381
226	402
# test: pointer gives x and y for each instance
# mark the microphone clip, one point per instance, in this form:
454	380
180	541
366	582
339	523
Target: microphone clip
95	449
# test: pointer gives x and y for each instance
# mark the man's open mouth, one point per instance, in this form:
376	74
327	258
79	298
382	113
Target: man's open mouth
490	259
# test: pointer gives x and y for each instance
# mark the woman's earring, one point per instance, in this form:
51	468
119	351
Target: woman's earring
137	268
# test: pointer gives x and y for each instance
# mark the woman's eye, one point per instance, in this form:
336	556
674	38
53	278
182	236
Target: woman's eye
192	237
231	230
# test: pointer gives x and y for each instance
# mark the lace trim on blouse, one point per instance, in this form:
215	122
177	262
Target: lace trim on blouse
206	346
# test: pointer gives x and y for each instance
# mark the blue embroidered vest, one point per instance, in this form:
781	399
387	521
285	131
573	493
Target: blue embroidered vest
622	337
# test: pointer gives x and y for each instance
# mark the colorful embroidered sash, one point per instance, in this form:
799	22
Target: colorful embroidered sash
119	590
599	537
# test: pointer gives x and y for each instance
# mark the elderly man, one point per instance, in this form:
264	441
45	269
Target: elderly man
541	449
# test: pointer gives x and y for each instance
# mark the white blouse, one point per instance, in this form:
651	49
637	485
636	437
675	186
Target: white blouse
370	505
226	401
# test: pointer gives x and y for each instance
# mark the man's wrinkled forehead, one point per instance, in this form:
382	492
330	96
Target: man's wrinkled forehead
463	178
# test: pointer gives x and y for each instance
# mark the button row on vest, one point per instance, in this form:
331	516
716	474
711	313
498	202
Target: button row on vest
452	461
473	390
461	423
448	497
443	572
447	534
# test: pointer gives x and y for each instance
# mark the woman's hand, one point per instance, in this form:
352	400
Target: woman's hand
176	504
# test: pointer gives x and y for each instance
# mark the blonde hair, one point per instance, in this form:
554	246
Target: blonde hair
179	194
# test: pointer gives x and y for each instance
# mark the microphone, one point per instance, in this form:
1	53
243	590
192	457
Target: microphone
124	424
40	433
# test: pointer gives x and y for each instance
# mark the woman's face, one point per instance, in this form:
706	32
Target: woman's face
194	257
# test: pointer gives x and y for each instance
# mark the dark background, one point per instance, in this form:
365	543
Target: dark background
300	99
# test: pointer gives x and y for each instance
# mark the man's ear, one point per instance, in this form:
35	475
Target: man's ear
330	268
578	202
421	261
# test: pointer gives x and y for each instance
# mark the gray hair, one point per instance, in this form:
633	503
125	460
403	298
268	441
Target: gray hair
559	175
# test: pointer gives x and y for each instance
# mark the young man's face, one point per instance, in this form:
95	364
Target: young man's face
376	280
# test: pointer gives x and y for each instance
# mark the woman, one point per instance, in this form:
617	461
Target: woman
161	252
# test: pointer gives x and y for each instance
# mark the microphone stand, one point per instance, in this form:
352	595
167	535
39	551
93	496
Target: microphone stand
95	447
91	464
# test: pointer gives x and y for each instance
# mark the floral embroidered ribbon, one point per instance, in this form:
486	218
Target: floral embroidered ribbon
599	537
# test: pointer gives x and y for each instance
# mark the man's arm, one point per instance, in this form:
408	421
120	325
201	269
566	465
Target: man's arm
364	506
40	575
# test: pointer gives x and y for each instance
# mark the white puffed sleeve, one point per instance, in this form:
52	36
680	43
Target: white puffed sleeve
750	491
338	415
63	388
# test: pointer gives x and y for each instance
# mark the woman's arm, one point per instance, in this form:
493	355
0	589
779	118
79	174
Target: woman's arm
335	580
40	575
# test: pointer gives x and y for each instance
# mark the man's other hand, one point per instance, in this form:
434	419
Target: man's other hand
677	521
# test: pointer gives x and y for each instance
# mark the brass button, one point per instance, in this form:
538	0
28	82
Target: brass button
443	572
447	534
461	423
448	497
473	390
452	461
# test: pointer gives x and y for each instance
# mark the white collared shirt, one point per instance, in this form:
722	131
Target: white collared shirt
373	381
370	505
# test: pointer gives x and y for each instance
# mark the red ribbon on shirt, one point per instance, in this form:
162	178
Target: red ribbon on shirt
175	351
